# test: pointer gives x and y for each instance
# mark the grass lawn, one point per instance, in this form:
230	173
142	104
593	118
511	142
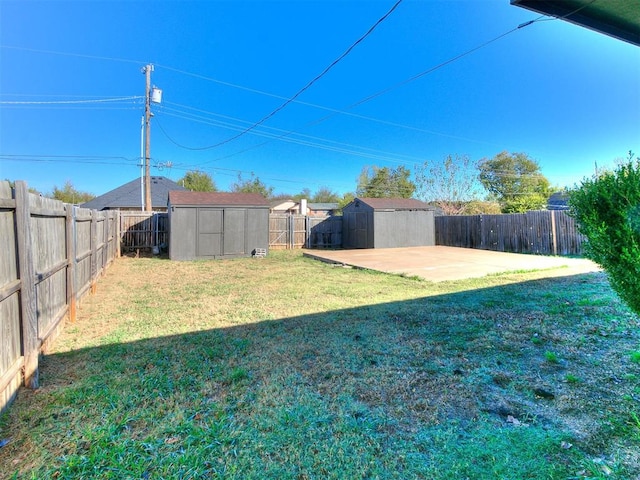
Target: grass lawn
289	368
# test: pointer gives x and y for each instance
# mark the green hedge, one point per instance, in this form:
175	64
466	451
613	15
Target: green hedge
607	208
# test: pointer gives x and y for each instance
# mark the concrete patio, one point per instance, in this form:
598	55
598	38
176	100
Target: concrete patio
440	263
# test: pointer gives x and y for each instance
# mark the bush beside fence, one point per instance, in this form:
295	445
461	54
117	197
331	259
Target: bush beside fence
51	254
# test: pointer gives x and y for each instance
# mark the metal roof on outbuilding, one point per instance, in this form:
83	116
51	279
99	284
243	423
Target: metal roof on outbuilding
322	206
393	203
217	198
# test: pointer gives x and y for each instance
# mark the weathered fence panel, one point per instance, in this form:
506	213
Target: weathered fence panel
279	231
11	358
325	232
551	232
139	230
50	254
296	231
143	230
547	232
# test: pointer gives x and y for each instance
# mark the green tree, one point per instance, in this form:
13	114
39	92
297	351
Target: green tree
607	208
451	184
304	193
385	182
198	181
481	207
325	195
516	182
345	200
251	185
69	194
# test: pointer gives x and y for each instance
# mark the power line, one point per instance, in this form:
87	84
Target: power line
311	142
321	107
290	140
102	160
368	98
68	159
68	102
436	67
307	86
68	54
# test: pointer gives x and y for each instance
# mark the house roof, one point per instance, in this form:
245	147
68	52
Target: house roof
322	206
393	203
129	195
283	204
217	198
558	201
617	18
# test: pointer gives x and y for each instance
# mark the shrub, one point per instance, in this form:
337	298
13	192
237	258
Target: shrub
607	208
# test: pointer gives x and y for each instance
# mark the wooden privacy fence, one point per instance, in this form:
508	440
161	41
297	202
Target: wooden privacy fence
296	231
547	232
151	229
51	254
144	230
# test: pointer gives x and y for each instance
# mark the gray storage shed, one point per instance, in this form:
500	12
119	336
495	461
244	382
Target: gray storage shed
387	223
208	225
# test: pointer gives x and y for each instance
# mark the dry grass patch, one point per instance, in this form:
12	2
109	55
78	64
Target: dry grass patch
285	367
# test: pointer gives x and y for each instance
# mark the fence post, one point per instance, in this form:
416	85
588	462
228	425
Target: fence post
71	261
117	218
94	250
28	307
554	240
291	230
105	241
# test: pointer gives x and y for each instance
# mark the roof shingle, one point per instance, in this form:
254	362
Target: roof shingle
394	203
129	195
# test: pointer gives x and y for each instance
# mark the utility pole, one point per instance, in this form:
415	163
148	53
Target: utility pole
147	146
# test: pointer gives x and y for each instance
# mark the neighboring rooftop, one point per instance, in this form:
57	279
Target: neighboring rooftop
322	206
129	195
617	18
558	201
217	198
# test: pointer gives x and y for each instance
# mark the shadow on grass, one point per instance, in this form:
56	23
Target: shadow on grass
450	386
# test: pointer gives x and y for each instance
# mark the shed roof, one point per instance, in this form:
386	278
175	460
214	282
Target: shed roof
393	203
217	198
128	195
617	18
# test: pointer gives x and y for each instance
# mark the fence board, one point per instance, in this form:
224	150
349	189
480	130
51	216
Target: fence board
50	253
10	352
297	231
325	232
546	232
143	230
28	310
279	231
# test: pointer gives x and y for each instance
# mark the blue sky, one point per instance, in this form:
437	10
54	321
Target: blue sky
565	95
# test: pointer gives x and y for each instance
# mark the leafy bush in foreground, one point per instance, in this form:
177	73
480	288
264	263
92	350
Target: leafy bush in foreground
607	208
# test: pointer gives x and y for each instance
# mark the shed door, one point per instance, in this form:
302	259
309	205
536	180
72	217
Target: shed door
359	230
209	232
234	221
